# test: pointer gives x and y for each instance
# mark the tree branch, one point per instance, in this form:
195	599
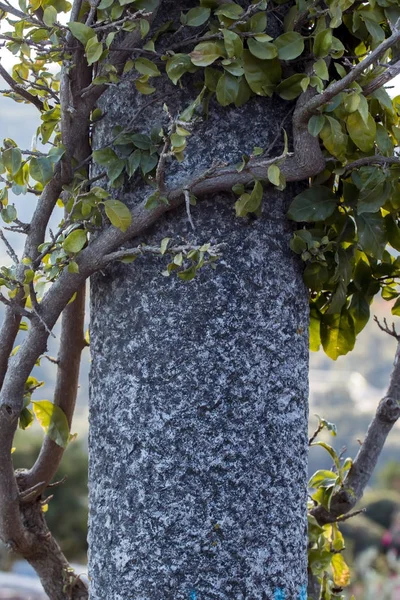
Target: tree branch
156	251
356	72
391	72
35	237
19	89
72	343
372	160
357	478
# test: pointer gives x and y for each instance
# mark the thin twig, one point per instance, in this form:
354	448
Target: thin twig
10	250
385	327
187	203
156	250
36	308
26	493
20	90
16	308
350	515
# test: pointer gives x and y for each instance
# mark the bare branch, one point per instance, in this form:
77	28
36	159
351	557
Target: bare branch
385	327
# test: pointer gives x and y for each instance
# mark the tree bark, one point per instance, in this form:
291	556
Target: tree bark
198	403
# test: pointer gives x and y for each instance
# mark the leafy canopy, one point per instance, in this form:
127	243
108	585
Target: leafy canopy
348	217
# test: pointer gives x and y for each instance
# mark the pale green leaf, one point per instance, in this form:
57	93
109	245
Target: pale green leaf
81	32
290	45
75	241
53	421
118	213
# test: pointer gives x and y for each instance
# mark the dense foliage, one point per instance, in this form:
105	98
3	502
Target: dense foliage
332	56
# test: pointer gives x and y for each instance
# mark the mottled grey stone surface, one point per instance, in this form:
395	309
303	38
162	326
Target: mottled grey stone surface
198	409
198	421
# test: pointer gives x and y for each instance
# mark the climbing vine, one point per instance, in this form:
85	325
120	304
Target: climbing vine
330	61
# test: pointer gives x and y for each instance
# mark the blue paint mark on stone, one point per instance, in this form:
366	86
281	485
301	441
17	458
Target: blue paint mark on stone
279	594
193	595
303	593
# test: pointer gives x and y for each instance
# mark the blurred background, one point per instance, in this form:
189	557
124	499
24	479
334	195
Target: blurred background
345	392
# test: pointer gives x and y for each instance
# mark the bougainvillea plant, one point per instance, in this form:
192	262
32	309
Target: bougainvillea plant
331	63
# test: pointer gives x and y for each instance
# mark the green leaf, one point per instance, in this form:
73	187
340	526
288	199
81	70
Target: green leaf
144	88
104	157
335	141
249	203
314	330
321	69
373	198
141	141
115	169
12	160
323	478
393	232
177	65
53	421
323	43
197	16
273	174
314	204
93	50
372	236
144	27
233	44
361	133
261	75
315	124
133	162
352	102
383	140
360	311
146	67
26	418
211	77
164	245
205	53
81	32
290	45
73	267
396	308
341	571
41	169
188	274
148	162
118	213
234	67
338	334
331	452
49	16
75	241
227	89
231	10
264	51
9	213
292	87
